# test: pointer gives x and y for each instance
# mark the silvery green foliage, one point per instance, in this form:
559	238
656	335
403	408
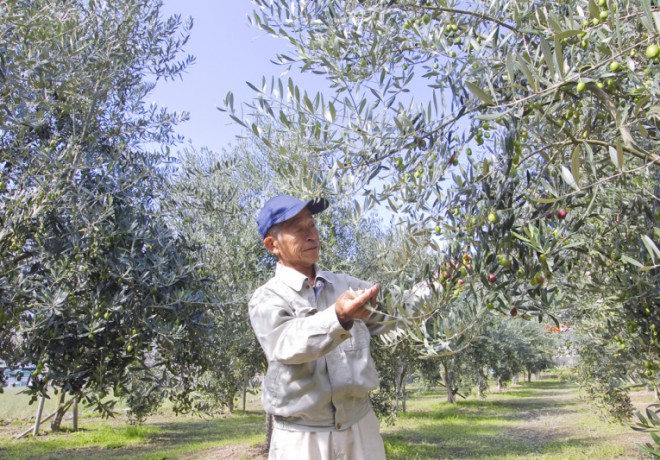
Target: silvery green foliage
650	424
474	124
214	202
94	282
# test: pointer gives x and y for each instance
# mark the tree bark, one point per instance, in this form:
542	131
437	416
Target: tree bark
400	392
480	387
269	430
245	385
448	377
75	414
230	403
62	407
403	397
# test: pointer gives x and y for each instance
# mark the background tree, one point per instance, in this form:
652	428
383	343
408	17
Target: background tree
214	202
542	116
94	283
503	349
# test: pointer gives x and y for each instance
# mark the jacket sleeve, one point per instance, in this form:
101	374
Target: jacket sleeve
293	334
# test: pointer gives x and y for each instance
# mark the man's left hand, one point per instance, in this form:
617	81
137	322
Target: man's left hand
351	304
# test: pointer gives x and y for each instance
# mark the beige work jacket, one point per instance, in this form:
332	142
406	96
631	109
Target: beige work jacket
319	374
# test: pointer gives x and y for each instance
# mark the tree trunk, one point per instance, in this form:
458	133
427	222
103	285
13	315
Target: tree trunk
245	385
399	384
403	398
500	386
269	430
448	378
75	414
62	407
515	378
396	396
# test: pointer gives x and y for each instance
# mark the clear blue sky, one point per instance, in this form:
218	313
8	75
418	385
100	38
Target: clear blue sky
229	52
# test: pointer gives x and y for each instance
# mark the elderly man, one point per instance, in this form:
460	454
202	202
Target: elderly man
314	327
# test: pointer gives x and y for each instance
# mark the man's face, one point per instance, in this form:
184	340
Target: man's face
296	242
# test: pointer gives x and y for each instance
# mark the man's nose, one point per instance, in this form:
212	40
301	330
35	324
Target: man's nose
313	235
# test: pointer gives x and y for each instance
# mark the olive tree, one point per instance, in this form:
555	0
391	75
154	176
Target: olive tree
94	283
522	133
504	348
214	202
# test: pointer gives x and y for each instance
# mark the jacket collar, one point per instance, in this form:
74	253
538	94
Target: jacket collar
296	280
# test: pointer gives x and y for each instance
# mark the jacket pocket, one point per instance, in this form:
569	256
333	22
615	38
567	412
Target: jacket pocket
360	337
272	383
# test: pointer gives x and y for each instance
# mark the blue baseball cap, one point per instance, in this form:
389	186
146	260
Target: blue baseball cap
283	207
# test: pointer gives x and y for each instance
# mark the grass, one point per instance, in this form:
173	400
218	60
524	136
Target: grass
15	404
167	437
544	419
540	420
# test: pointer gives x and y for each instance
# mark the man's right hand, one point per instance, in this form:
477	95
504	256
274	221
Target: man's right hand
351	304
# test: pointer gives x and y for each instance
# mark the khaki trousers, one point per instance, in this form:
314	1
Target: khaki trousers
361	441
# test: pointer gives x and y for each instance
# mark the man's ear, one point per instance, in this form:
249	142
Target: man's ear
270	244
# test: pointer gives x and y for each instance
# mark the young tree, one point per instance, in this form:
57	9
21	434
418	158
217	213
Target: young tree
94	283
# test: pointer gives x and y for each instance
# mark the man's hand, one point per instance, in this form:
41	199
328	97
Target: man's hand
351	304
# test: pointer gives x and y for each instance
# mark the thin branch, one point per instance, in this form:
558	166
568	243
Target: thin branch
606	179
474	14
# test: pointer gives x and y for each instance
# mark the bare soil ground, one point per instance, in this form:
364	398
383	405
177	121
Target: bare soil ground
231	453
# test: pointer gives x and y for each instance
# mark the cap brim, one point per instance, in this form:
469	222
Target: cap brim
316	205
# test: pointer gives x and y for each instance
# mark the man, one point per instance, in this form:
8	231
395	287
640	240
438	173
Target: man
314	327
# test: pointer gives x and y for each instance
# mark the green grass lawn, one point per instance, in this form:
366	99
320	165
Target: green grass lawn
539	420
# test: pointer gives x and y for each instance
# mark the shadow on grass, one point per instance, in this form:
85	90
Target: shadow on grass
165	440
500	405
548	384
495	410
473	435
233	428
481	444
496	427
